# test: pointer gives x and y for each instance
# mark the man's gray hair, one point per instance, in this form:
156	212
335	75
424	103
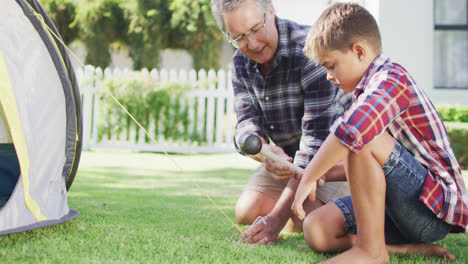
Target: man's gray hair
220	7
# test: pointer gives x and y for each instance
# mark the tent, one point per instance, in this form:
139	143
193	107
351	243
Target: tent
40	125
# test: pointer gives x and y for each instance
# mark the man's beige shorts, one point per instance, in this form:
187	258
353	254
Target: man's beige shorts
263	182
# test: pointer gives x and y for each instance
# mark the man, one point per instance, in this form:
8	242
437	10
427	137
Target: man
283	97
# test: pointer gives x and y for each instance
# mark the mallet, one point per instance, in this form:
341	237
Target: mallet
252	145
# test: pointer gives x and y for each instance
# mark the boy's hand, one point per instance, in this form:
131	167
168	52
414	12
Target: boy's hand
302	193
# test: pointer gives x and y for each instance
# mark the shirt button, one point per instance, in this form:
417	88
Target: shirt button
267	98
272	127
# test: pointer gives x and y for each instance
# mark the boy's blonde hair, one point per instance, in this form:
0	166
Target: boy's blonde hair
339	27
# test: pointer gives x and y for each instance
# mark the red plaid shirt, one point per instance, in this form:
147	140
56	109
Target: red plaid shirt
387	97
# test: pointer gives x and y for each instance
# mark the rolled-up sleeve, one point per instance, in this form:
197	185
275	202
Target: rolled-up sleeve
384	98
249	120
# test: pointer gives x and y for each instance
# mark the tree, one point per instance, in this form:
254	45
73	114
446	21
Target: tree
63	13
145	26
148	26
197	31
102	23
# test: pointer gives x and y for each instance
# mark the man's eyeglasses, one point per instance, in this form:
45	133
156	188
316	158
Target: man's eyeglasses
254	33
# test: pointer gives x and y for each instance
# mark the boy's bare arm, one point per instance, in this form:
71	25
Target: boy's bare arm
328	155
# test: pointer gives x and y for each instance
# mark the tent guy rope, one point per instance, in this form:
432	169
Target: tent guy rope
236	227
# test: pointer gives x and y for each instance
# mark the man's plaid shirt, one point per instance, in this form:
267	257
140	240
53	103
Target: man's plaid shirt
294	105
389	99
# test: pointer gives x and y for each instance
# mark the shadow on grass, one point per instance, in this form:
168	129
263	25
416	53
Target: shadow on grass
227	183
102	191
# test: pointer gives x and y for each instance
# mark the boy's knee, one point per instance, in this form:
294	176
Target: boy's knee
315	233
323	227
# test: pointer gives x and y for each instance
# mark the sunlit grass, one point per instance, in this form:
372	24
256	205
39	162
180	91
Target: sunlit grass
141	208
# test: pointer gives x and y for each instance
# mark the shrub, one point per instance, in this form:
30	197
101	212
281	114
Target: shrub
164	103
458	134
63	13
451	113
145	27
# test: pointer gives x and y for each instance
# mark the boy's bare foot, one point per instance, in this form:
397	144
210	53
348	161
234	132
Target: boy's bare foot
358	255
430	250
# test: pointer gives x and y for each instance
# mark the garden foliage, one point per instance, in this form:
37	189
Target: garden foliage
452	113
146	27
165	104
458	134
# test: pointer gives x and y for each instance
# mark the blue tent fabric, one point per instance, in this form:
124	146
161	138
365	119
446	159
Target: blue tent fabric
9	172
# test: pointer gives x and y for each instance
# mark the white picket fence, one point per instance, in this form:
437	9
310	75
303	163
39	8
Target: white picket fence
215	115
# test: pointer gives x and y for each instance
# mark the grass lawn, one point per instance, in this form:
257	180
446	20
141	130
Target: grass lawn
139	208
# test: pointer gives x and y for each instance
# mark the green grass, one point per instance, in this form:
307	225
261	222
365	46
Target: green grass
139	208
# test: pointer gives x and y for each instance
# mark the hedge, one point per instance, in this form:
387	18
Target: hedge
458	134
452	113
159	101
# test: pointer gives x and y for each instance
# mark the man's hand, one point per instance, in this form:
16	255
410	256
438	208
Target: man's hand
279	171
262	233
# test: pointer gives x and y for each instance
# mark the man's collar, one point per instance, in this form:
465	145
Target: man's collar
282	49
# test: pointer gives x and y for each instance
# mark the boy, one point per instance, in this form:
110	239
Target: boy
406	185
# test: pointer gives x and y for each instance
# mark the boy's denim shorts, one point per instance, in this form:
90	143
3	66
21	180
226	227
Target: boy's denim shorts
407	220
